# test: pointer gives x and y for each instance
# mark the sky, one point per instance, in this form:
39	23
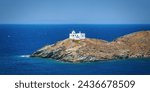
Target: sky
74	12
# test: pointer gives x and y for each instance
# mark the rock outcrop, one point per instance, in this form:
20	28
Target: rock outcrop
133	45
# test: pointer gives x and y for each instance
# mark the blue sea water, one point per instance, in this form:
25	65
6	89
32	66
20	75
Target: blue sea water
17	41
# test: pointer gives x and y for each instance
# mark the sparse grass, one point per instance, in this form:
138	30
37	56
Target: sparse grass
77	41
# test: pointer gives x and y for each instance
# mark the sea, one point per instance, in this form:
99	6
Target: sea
18	41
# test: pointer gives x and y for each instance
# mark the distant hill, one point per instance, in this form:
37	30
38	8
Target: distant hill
134	45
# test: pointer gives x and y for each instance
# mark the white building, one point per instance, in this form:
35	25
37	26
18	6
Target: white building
76	36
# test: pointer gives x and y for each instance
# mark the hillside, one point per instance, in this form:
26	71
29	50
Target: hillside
133	45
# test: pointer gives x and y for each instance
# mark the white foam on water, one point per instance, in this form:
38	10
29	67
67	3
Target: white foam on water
25	56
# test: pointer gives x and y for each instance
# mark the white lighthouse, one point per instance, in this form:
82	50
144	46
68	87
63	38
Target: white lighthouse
76	36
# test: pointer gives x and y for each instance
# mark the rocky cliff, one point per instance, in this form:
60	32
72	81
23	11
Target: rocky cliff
133	45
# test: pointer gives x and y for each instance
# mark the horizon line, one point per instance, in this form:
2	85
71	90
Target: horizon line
72	24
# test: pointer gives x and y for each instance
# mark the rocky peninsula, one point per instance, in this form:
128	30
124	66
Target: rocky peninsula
134	45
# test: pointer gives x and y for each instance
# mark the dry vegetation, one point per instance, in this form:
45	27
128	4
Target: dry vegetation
128	46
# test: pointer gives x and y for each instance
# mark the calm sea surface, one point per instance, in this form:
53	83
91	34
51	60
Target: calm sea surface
17	41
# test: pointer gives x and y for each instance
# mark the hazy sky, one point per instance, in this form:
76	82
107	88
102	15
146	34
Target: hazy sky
74	11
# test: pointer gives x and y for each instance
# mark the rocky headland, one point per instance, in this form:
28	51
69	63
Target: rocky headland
134	45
